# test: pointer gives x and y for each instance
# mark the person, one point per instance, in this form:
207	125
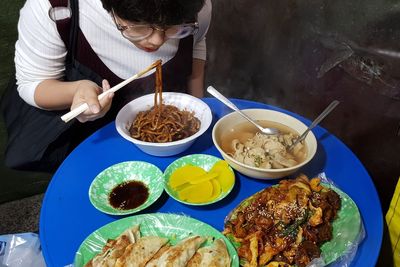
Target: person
68	52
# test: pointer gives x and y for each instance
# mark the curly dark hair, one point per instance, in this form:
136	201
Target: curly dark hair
159	12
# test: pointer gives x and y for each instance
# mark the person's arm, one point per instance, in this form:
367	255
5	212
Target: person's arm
40	65
196	80
55	94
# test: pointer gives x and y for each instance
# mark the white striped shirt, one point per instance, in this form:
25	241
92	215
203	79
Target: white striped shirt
40	52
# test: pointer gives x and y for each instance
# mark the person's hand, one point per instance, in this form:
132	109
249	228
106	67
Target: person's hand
87	92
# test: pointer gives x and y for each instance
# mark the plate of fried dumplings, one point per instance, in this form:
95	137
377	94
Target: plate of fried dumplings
157	239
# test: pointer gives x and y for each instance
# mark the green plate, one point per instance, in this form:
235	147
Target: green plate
201	160
346	227
172	226
114	175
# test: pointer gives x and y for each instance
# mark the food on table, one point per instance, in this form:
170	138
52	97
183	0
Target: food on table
226	178
247	145
154	261
140	252
114	248
152	251
285	223
195	185
214	255
199	193
183	174
128	195
180	254
163	123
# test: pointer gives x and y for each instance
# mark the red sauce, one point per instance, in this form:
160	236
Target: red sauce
128	195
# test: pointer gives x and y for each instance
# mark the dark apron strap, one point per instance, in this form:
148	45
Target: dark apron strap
75	71
63	25
68	29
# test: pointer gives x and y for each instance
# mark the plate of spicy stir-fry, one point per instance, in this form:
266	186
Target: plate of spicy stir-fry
293	223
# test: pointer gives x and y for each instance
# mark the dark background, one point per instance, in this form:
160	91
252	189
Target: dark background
297	55
301	55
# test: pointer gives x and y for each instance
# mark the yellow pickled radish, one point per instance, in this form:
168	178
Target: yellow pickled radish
216	189
203	178
219	166
226	180
198	193
225	176
184	174
195	185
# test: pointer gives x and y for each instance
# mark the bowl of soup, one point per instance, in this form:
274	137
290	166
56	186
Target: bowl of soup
163	128
261	156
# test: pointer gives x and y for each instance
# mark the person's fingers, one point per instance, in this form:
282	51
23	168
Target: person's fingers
106	101
91	98
105	107
89	95
106	85
82	119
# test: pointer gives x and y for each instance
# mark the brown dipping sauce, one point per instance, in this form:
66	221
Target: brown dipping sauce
128	195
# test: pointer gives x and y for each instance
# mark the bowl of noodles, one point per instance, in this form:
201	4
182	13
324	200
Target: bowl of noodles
163	124
262	156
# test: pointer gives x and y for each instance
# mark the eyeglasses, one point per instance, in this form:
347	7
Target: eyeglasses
139	32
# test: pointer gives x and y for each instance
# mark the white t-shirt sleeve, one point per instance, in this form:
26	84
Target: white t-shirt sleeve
204	19
39	51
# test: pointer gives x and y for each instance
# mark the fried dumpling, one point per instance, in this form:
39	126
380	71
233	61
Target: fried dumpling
181	253
215	255
154	261
114	249
139	253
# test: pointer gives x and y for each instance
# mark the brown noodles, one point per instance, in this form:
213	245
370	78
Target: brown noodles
163	123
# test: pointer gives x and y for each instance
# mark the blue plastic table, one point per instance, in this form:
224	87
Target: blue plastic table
67	216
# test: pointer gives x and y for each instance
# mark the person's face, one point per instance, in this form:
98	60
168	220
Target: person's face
150	38
151	43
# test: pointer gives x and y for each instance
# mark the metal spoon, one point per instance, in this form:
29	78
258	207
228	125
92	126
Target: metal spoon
321	116
226	101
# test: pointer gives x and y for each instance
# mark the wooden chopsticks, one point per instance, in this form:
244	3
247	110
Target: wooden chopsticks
82	108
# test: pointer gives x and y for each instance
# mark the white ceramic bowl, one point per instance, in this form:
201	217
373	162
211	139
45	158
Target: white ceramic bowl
230	120
183	101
